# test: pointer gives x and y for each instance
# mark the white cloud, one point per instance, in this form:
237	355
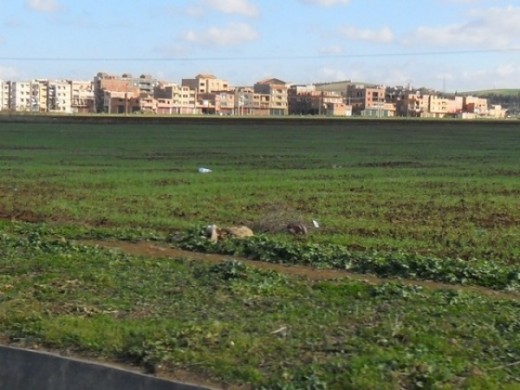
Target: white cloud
43	5
8	73
505	75
327	74
232	34
383	35
332	50
325	3
241	7
460	1
494	28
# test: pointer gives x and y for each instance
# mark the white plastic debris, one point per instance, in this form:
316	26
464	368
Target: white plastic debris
315	224
204	170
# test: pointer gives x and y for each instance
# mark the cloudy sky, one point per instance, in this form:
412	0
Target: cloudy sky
452	45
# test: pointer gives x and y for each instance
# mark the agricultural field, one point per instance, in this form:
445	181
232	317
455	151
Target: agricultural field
427	212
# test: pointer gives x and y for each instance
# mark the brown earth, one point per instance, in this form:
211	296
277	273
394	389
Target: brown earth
155	250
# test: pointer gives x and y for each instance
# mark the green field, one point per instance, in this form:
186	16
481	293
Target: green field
449	189
423	200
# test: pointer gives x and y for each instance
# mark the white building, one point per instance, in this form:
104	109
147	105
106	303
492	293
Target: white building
60	97
20	96
4	95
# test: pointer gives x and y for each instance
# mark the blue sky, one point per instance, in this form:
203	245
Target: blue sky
452	45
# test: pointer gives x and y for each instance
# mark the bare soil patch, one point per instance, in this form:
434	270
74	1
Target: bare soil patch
154	250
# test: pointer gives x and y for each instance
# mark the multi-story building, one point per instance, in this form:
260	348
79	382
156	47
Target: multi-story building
175	99
412	104
475	105
440	107
40	95
247	102
116	102
369	101
220	103
306	100
206	83
82	96
4	95
20	96
60	97
143	86
277	91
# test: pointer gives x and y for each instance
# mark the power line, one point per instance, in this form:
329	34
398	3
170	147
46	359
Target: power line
260	58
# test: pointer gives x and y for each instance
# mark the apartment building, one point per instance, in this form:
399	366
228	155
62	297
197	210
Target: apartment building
20	96
250	103
4	95
475	105
40	95
143	85
206	83
307	100
82	96
369	101
121	102
60	97
412	104
206	94
277	90
175	99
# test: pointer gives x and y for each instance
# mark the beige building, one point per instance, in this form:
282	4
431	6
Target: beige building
441	107
220	103
250	103
475	105
497	112
40	95
206	83
82	96
306	100
413	104
143	86
369	101
115	102
175	99
277	90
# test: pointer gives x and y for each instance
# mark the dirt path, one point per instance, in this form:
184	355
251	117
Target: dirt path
162	251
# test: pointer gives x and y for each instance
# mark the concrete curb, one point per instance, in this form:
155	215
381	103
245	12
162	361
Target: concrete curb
22	369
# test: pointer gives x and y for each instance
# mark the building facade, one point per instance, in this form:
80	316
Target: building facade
277	90
307	100
20	96
60	97
4	95
206	83
82	97
369	101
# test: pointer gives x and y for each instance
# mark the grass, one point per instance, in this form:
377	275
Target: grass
237	325
444	188
417	199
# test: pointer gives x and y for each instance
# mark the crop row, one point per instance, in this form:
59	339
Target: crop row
407	265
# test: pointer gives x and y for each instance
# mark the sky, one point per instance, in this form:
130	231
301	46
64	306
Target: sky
448	45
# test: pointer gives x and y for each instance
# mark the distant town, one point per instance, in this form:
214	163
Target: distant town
207	94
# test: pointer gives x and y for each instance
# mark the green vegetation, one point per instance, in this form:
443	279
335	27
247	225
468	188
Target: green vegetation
239	325
435	200
448	189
